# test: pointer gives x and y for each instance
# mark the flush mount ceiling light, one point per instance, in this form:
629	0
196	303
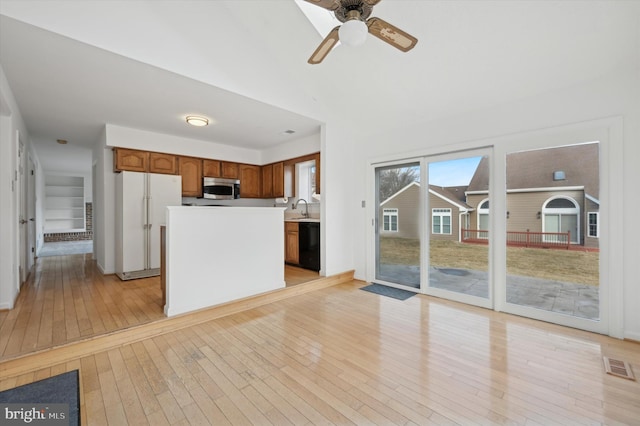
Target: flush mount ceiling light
61	141
197	121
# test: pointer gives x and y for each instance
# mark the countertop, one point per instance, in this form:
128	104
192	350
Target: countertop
302	219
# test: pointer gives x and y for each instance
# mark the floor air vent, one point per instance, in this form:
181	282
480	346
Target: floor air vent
618	368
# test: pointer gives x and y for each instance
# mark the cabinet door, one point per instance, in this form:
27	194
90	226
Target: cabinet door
130	160
163	163
229	170
291	243
250	181
278	180
317	173
211	168
191	171
267	181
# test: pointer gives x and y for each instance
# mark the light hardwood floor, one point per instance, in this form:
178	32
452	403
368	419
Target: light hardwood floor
67	299
339	355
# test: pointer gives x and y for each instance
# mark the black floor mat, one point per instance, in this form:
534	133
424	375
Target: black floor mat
384	290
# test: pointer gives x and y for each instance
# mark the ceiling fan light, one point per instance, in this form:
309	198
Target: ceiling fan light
197	121
353	33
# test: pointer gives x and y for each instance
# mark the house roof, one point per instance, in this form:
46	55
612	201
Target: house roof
535	169
453	195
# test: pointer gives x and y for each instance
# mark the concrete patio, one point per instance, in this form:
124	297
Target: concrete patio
577	300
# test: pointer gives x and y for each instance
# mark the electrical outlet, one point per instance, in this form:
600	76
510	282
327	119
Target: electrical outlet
364	204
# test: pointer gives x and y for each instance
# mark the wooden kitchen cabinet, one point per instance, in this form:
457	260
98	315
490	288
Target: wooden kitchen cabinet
317	158
267	181
130	160
163	163
211	168
291	253
278	179
273	180
250	181
229	170
190	169
217	168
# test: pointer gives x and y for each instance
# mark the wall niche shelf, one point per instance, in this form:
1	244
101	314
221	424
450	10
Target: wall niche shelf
64	204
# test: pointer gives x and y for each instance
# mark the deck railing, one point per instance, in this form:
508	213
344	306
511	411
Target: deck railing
522	239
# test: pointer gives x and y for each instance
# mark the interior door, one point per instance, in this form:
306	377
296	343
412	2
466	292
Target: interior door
22	213
31	213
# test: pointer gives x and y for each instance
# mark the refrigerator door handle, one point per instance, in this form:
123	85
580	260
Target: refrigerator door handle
145	212
149	212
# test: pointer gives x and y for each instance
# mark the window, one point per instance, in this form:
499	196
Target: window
483	220
593	229
441	221
560	215
390	220
306	180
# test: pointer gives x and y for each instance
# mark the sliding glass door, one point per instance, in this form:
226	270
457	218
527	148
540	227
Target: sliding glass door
553	234
457	215
398	224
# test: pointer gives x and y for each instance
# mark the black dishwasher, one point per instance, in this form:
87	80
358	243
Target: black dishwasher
309	245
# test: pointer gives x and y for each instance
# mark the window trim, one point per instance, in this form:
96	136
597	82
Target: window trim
441	213
391	212
597	216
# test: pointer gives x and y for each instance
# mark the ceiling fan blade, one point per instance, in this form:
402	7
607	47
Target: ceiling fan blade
372	2
325	47
327	4
391	34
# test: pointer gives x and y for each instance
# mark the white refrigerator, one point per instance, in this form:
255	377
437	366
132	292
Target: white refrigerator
141	204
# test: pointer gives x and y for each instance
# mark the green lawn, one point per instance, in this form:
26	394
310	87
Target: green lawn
561	265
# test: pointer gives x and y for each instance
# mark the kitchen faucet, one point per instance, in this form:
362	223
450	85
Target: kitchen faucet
306	207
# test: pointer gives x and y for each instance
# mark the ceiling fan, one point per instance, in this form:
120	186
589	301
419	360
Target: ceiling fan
354	14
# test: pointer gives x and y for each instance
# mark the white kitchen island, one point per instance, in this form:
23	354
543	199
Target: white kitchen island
220	254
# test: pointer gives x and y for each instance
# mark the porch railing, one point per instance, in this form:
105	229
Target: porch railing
522	239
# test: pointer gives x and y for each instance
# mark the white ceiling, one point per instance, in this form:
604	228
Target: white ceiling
243	63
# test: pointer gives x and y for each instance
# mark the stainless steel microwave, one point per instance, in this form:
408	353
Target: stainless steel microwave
220	189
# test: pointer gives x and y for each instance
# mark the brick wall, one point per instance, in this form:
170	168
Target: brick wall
75	236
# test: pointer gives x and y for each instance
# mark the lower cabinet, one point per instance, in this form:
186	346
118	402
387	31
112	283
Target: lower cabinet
291	243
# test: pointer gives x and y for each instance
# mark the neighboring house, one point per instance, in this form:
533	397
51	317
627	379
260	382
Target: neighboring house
399	215
548	190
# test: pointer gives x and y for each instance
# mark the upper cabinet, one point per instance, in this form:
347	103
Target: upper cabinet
229	170
190	169
211	168
130	160
273	180
317	158
163	163
250	181
269	181
217	168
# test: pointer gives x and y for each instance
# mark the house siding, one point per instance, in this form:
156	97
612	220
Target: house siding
408	205
523	208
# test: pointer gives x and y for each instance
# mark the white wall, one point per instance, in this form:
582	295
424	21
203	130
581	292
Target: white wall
616	94
295	148
125	137
216	255
11	123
